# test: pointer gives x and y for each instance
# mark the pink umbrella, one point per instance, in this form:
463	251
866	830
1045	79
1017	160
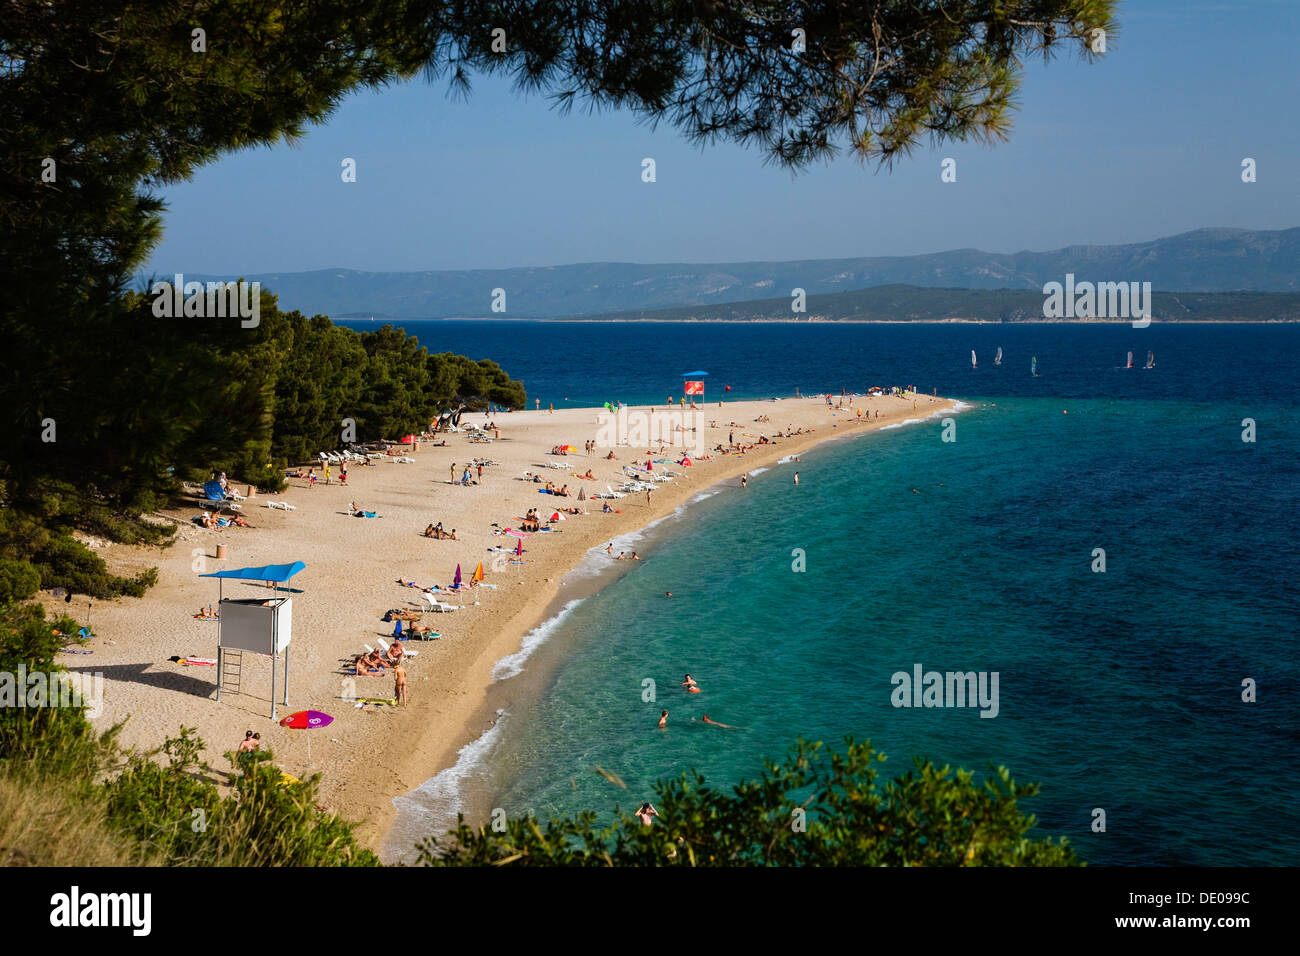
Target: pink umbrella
456	582
307	720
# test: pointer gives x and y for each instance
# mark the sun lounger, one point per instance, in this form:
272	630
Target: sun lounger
436	605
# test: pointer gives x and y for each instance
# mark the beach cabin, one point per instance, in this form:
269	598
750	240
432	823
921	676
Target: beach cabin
258	625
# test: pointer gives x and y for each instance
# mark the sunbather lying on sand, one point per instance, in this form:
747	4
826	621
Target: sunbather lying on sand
361	666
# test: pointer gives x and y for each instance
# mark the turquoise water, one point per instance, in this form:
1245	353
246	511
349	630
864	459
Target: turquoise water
1119	690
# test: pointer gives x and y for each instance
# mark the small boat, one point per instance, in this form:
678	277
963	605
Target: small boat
1151	360
1033	366
972	359
997	359
1130	360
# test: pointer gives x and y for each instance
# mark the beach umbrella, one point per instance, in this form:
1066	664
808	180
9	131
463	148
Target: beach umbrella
307	720
456	580
694	374
519	548
478	573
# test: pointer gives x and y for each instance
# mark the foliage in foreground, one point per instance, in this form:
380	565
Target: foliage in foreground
818	808
65	790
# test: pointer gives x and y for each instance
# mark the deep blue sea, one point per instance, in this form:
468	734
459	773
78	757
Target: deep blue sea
1119	690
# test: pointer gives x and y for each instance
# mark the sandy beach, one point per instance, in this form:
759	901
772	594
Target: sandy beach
369	756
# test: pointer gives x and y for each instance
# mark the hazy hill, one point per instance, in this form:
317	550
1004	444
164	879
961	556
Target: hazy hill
909	303
1206	260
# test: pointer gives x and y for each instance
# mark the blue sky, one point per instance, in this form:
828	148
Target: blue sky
1146	143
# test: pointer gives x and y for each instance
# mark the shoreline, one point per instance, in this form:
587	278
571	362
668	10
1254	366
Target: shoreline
368	758
494	707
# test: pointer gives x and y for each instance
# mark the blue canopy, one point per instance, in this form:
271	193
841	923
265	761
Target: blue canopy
214	491
694	374
270	572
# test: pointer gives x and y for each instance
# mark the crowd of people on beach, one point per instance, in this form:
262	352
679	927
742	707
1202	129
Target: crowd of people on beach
393	659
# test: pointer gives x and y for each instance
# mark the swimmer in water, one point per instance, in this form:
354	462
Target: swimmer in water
705	719
646	813
663	720
689	682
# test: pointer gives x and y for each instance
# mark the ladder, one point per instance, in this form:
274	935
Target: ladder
232	662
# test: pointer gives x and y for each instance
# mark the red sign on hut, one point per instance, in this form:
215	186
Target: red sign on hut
694	388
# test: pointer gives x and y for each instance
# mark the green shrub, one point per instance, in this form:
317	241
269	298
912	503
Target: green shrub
808	811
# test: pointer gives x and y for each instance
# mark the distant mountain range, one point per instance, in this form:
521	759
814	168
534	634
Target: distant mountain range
1206	260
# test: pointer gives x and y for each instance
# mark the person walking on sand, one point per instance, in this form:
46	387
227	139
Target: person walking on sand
663	720
327	474
453	473
648	492
480	471
399	683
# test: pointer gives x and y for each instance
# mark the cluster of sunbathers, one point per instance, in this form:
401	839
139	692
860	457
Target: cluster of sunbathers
374	663
209	520
437	531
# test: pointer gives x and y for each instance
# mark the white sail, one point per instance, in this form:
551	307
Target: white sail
972	359
997	359
1151	360
1130	360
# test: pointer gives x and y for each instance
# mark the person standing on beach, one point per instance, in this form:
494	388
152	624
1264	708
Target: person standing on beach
537	404
744	480
453	473
399	683
648	492
327	474
663	720
480	471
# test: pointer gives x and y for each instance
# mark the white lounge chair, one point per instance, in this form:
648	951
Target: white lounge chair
436	605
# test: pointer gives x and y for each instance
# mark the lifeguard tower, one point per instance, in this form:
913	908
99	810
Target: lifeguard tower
260	625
